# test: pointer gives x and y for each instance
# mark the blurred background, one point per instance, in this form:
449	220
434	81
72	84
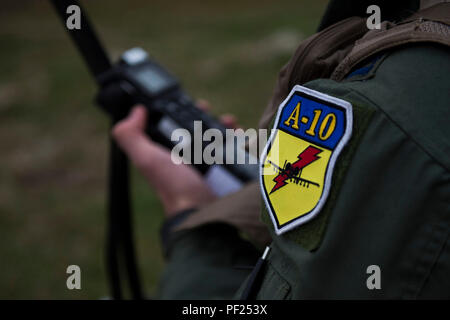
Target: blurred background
53	139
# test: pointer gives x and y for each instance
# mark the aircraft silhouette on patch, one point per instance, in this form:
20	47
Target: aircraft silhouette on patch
293	171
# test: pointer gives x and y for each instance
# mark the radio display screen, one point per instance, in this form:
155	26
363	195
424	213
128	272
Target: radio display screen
153	80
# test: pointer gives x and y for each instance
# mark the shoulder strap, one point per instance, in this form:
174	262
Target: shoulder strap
336	50
316	57
429	25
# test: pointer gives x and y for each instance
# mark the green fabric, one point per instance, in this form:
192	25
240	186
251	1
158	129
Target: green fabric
393	207
415	95
206	263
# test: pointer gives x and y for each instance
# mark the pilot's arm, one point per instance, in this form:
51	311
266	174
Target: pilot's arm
205	262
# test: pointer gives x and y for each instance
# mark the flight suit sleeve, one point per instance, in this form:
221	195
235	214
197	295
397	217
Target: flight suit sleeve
206	262
210	251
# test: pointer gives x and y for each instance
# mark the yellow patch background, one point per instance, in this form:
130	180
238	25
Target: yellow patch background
292	201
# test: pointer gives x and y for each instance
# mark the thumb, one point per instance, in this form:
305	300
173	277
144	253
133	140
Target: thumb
133	124
130	135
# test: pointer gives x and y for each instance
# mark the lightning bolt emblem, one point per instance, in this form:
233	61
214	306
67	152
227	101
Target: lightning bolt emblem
305	158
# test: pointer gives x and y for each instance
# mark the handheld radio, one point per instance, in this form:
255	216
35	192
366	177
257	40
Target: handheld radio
138	79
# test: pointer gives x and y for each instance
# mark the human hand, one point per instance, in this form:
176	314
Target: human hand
179	187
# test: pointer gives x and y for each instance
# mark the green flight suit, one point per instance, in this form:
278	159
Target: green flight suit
389	202
392	208
392	205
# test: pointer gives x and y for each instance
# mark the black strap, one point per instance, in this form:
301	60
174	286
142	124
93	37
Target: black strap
85	39
119	232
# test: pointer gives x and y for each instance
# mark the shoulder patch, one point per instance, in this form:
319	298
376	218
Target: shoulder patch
310	131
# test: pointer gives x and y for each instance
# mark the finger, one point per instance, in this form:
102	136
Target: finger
134	122
178	186
204	105
130	135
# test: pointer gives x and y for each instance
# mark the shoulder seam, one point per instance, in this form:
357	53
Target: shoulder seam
440	163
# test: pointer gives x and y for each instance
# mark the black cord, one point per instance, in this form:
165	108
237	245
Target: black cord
120	225
84	38
119	230
113	224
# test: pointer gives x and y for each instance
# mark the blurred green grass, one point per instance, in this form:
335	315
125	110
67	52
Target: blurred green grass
53	140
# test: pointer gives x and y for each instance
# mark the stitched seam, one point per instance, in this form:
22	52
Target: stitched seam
419	145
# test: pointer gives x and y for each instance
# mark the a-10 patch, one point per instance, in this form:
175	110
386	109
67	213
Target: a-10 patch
309	132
